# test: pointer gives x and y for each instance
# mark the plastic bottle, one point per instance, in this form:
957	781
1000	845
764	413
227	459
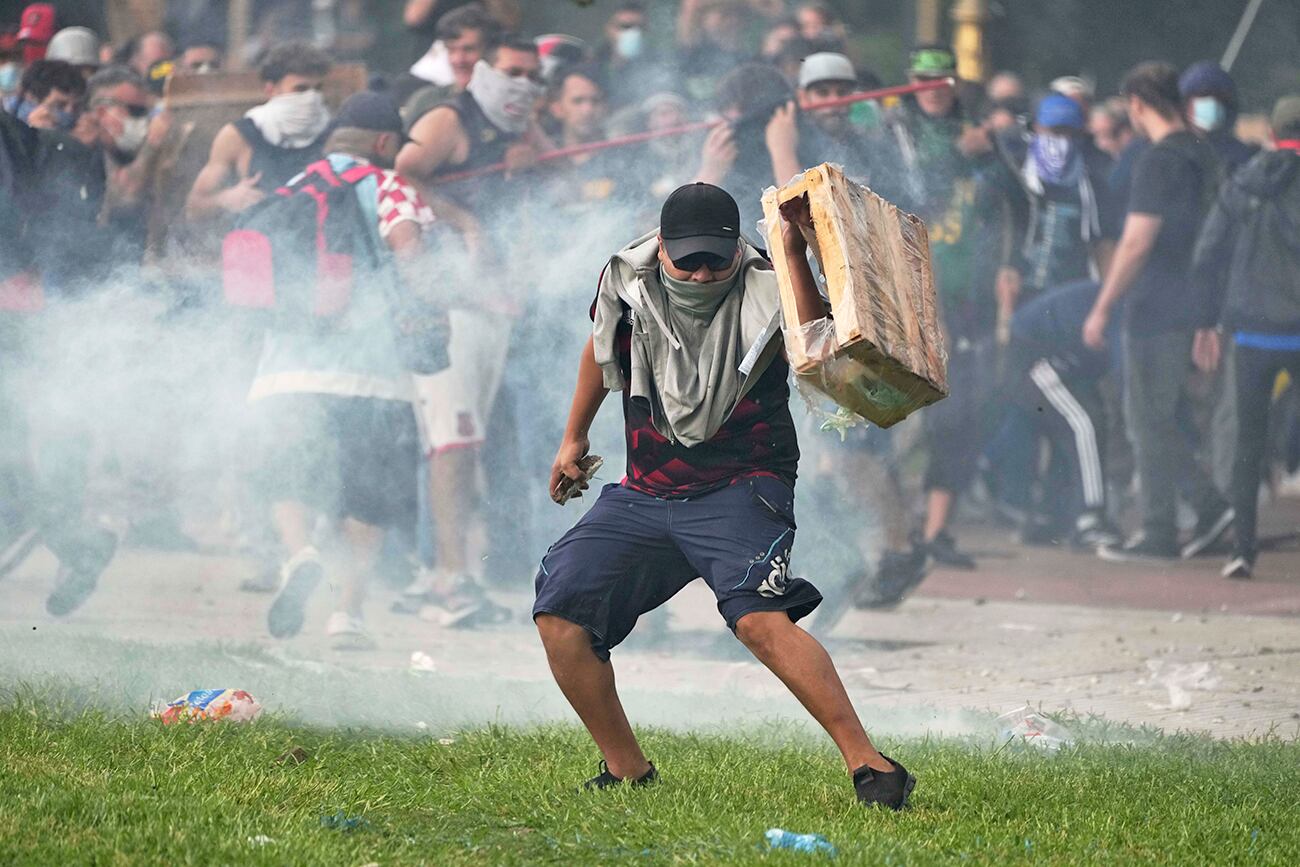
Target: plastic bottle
779	838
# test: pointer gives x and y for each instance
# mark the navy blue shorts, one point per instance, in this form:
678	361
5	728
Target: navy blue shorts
633	552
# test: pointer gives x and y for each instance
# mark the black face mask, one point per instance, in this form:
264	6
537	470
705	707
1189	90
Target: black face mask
695	261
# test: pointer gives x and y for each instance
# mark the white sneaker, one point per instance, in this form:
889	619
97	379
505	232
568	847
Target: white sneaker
1238	567
348	633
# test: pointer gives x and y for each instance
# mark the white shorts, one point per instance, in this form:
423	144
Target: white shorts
453	405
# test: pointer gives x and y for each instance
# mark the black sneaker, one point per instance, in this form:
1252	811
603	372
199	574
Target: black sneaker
1209	529
606	780
1240	567
1140	548
943	550
899	574
888	790
79	571
301	575
466	606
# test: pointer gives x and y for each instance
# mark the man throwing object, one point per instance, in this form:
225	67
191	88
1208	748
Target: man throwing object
687	326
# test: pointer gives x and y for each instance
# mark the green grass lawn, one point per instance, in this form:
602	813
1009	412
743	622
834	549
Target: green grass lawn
83	787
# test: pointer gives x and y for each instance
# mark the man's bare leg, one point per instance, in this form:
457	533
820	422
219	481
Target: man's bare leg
938	506
293	524
805	667
453	500
588	683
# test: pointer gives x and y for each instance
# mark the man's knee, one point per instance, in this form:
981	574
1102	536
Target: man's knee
761	631
557	632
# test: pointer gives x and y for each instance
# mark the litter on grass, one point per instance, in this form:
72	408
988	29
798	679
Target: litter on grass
1030	727
232	705
260	840
422	662
779	838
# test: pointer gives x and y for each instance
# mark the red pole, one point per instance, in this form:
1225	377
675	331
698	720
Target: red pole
638	138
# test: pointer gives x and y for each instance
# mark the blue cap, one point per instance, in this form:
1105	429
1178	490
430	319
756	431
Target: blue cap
1058	110
1206	78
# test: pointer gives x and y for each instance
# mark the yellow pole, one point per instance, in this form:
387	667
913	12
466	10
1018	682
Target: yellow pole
928	21
969	17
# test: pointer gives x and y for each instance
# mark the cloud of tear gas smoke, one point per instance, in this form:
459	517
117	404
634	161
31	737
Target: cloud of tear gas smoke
145	402
140	400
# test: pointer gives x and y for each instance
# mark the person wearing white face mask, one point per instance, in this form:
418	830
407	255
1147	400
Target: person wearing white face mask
630	63
491	122
1210	109
116	123
256	154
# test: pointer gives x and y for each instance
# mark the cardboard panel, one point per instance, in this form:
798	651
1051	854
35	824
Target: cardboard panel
890	360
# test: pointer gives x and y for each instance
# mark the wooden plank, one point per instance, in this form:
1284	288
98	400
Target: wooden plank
889	358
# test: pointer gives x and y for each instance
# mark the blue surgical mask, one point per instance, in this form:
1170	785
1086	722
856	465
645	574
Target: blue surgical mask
1208	113
630	42
64	120
11	74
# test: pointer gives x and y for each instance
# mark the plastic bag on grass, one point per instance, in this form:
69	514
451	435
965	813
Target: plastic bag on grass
1034	729
232	705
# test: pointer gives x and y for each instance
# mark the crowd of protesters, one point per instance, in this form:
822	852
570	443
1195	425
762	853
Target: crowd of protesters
1118	280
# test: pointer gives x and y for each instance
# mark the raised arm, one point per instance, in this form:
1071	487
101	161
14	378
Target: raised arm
417	12
808	302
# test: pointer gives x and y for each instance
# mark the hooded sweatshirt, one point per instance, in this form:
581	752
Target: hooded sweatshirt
1246	268
692	360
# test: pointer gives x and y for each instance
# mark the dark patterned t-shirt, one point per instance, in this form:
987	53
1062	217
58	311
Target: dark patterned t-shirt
757	439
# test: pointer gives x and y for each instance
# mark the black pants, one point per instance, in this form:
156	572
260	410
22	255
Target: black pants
1256	371
1156	369
958	427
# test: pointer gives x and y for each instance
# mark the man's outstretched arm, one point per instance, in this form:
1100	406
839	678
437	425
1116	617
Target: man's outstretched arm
588	395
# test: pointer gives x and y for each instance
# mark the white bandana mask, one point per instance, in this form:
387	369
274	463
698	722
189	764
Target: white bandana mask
507	102
291	120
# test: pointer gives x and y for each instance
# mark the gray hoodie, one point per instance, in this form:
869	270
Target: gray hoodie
690	368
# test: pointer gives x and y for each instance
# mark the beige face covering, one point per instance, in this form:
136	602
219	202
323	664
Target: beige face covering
700	299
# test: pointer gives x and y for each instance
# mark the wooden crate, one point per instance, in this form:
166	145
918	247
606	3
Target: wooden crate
889	359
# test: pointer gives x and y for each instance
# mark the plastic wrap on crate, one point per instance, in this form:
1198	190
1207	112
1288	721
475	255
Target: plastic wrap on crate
889	357
818	339
232	705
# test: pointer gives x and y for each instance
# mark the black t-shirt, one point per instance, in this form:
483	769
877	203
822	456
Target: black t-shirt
1174	180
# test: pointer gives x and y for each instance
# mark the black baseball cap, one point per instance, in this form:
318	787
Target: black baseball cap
370	110
699	218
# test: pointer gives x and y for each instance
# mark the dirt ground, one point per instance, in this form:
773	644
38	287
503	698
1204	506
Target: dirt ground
1177	648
